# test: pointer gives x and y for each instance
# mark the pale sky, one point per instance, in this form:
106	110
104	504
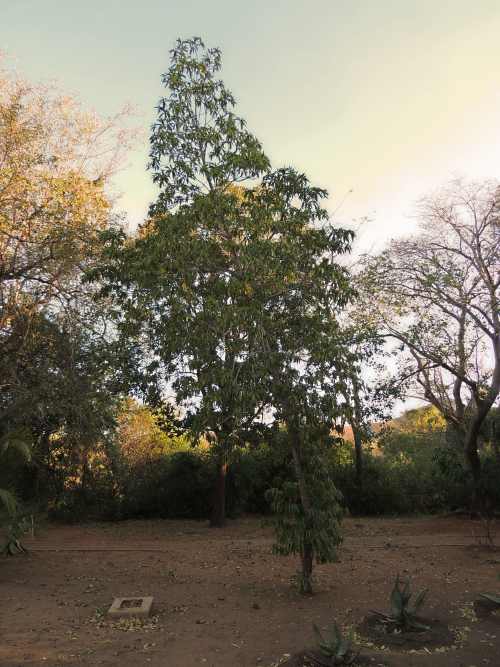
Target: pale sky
386	98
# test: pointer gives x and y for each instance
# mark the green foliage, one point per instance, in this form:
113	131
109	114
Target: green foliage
320	527
137	477
58	377
233	289
256	469
92	491
404	614
15	529
413	466
334	646
14	449
197	142
177	485
144	433
17	442
292	528
186	286
174	481
427	419
13	442
8	500
420	479
61	382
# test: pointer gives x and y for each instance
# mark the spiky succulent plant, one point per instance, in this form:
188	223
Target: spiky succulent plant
403	615
8	502
14	531
491	597
334	646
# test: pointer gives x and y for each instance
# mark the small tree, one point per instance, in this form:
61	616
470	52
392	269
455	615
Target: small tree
307	509
304	357
371	390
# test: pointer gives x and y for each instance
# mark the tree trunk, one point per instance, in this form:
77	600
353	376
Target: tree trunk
84	477
356	431
474	463
307	555
307	569
218	517
495	436
358	455
484	405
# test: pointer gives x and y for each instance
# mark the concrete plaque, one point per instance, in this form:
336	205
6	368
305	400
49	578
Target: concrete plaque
131	607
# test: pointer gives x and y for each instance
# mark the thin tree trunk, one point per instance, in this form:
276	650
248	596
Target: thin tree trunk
358	455
356	431
218	517
495	436
307	555
84	477
307	569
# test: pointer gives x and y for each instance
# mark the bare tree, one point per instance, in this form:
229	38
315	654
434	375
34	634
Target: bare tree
437	293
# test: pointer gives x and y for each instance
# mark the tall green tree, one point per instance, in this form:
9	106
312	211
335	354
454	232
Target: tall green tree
185	278
231	283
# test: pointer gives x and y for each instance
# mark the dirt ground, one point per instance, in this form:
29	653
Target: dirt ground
222	599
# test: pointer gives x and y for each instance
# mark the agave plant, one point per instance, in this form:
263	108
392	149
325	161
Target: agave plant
16	524
15	529
336	648
9	502
403	616
492	597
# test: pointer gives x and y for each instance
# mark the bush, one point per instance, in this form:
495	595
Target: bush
407	473
173	485
255	470
187	486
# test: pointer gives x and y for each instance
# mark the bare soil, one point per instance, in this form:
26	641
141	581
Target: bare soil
437	635
222	599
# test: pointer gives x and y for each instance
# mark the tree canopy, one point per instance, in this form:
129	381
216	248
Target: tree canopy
232	284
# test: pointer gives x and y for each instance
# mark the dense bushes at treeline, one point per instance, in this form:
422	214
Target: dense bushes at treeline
410	467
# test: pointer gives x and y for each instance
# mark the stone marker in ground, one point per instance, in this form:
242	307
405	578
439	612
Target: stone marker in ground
137	607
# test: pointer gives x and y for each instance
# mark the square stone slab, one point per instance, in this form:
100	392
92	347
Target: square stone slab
131	607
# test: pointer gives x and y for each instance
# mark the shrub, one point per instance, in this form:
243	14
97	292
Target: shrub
403	616
407	473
